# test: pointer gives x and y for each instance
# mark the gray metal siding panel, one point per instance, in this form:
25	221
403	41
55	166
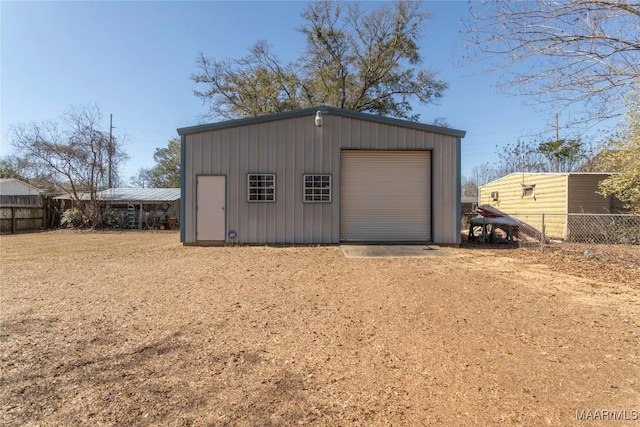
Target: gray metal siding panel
447	192
348	133
183	156
458	191
289	148
438	186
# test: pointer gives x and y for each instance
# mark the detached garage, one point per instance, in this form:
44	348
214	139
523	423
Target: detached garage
320	175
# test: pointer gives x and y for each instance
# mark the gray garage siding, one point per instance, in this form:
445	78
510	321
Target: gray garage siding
293	146
273	147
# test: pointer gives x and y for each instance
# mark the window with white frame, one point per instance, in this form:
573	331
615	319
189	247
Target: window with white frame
261	187
529	190
317	188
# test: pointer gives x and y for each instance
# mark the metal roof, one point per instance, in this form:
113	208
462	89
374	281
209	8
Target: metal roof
325	110
468	199
138	195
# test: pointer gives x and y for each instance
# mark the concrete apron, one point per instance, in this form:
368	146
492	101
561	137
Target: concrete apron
392	251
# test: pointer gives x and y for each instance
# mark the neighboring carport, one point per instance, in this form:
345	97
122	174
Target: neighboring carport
142	207
145	205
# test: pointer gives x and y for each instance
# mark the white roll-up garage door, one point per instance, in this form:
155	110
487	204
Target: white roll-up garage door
385	195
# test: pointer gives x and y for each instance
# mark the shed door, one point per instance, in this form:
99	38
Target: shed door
210	205
385	195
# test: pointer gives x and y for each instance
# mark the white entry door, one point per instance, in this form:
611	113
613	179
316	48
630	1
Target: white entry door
210	205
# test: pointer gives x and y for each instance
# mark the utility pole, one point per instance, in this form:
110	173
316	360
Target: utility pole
557	144
110	150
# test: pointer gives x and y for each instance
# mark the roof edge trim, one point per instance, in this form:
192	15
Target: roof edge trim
311	112
546	174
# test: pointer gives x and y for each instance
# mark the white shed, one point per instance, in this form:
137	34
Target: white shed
21	207
15	187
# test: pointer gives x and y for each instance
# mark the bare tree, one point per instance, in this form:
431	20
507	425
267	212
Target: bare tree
596	162
584	52
73	154
469	187
562	155
520	156
483	174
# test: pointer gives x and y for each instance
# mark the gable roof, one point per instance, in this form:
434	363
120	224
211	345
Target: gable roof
325	110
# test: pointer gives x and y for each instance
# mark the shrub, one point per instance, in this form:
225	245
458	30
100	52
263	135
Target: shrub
72	218
92	217
111	218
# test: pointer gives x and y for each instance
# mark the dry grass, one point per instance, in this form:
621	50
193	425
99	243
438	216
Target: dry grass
135	329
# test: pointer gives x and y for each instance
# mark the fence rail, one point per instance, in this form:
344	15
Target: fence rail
25	213
575	228
11	200
19	218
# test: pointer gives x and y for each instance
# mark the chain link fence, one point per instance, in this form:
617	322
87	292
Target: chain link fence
541	230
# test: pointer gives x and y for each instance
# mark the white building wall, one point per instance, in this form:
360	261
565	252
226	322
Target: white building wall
14	187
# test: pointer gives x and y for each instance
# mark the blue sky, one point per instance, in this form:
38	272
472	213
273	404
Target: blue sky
134	59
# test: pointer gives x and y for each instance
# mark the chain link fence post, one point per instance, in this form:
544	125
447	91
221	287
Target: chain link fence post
549	230
543	234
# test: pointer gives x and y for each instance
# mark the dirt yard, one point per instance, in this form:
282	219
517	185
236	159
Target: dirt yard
135	329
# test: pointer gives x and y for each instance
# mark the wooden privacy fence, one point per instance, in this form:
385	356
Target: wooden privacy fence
20	217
